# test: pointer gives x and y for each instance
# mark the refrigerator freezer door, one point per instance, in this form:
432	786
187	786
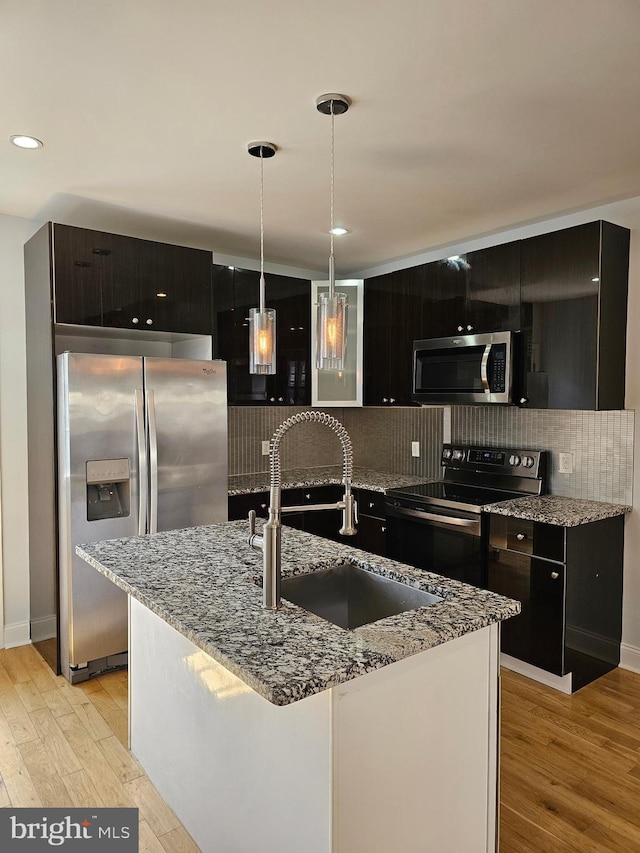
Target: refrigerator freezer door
98	480
187	421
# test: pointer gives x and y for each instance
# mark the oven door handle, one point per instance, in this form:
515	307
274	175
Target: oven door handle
484	376
470	525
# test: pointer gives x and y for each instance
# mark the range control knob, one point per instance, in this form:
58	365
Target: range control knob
458	455
527	461
446	453
514	460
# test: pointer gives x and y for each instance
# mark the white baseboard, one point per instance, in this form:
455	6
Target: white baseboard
629	657
43	628
559	682
17	634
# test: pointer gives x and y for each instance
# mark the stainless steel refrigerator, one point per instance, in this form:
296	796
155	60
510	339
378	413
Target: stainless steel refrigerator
142	447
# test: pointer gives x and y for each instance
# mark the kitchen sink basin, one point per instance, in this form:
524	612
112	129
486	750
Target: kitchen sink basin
350	596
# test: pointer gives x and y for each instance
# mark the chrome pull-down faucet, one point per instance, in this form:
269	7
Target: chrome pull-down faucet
269	540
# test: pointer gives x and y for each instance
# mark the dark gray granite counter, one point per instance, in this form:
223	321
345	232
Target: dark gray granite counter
363	478
202	582
556	509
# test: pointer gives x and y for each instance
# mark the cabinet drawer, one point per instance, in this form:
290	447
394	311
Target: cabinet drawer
370	503
527	537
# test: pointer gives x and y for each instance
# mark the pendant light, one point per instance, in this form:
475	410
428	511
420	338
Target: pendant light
331	320
262	321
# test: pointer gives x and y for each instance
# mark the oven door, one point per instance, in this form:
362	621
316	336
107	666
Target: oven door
447	542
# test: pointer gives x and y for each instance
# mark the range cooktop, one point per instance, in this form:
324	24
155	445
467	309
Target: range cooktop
477	476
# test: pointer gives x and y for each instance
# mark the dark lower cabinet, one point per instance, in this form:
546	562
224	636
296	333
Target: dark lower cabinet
235	292
372	524
569	581
326	523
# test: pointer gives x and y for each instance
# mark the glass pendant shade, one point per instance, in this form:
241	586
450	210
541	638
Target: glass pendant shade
331	332
262	341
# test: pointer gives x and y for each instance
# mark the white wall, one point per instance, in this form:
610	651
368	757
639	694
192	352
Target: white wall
631	597
14	232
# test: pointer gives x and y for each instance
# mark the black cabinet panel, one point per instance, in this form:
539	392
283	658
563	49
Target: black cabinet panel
536	634
110	280
235	292
392	321
475	292
571	619
574	309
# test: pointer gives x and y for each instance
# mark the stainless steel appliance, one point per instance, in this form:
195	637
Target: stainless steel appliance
439	526
465	369
142	447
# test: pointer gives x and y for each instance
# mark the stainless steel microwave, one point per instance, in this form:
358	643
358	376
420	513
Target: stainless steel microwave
464	369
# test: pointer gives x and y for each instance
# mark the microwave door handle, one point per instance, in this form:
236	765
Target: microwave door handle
483	369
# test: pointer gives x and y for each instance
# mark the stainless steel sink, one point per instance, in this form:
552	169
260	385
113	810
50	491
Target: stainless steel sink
350	596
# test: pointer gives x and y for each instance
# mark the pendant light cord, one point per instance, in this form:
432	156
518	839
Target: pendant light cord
332	277
262	285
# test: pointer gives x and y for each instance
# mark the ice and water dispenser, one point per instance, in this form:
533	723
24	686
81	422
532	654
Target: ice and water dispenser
108	489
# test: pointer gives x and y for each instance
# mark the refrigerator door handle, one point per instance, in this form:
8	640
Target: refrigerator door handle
143	478
153	463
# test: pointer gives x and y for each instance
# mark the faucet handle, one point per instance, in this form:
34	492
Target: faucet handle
252	522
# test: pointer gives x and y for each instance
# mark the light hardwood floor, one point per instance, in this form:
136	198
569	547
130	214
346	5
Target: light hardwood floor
570	777
67	746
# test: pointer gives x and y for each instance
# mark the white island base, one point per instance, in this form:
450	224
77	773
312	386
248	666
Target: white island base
401	759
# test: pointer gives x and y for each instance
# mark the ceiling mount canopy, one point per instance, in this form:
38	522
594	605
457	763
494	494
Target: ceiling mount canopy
333	104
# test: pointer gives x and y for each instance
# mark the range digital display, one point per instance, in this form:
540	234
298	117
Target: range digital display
487	457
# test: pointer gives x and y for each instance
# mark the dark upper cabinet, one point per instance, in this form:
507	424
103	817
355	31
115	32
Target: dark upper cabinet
574	316
235	292
475	292
109	280
392	321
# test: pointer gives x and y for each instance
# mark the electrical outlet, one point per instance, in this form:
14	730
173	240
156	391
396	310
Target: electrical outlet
265	448
415	448
565	463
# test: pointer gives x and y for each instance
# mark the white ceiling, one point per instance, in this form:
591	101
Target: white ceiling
468	117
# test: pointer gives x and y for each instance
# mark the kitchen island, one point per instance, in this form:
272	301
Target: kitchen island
278	731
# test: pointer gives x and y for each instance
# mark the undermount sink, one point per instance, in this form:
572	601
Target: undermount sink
350	596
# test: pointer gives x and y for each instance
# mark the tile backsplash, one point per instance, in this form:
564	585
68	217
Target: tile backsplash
601	443
381	439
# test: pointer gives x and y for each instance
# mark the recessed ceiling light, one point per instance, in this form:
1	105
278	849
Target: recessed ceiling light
339	231
595	279
161	295
23	141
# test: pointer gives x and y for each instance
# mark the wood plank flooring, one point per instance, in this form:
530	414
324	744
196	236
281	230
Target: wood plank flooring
570	766
570	774
67	746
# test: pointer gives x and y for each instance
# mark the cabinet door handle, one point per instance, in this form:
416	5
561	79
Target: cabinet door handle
461	328
521	536
281	399
384	400
383	528
308	497
469	328
263	506
555	575
392	399
370	504
272	399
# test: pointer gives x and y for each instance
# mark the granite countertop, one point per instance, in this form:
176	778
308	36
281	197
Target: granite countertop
556	509
363	478
201	580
